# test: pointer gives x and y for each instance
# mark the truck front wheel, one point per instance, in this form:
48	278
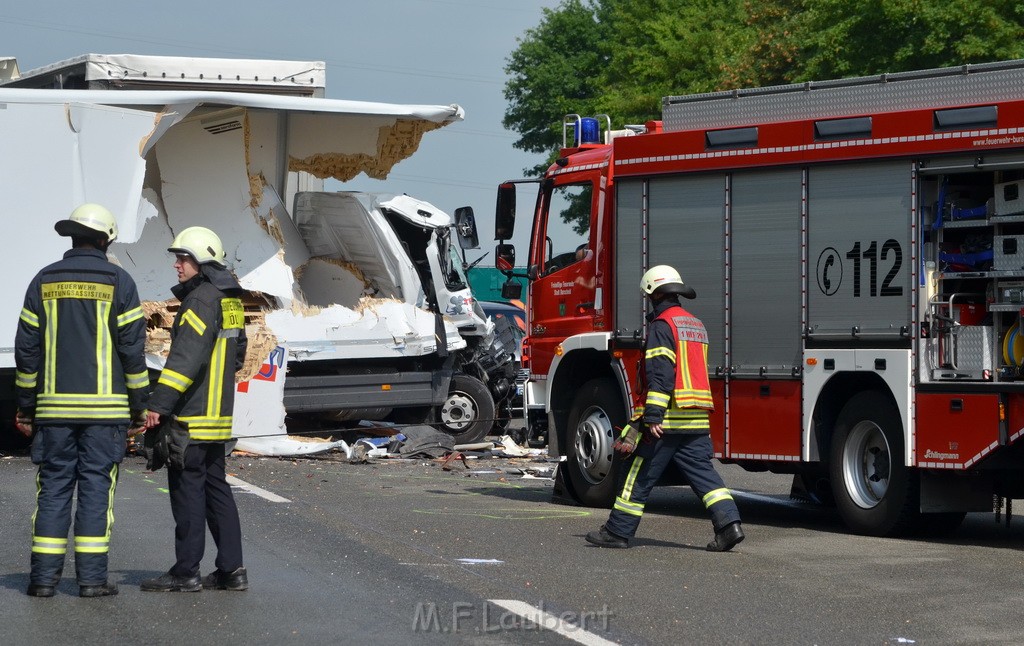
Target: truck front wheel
467	414
875	492
595	420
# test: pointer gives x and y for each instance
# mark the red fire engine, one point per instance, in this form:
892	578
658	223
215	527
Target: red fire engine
857	248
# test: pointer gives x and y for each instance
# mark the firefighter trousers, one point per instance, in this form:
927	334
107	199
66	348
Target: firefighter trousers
83	458
692	455
201	496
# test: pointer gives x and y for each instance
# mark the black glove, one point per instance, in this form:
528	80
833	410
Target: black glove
154	449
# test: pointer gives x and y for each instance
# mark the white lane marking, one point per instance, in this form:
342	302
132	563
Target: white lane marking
551	622
249	488
480	561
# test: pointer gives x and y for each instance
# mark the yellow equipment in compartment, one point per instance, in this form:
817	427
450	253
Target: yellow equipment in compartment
1013	346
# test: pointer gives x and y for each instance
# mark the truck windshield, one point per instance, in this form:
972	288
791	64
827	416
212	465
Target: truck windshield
567	226
454	276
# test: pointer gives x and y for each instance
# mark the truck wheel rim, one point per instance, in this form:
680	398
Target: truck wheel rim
594	444
458	412
867	464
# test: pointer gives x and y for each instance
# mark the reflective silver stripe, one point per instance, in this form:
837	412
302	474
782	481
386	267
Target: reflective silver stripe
25	379
66	412
129	316
216	378
175	380
49	545
193	320
137	379
104	349
229	334
717	495
110	498
661	352
631	508
658	399
29	317
50	347
83	399
92	544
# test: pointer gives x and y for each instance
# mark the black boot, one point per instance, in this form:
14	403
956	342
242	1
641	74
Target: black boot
727	538
103	590
604	538
218	580
40	590
170	583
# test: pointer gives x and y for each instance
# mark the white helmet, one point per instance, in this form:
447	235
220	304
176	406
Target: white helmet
202	244
88	220
663	279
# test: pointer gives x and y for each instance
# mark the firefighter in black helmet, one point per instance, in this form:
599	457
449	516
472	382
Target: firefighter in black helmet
81	385
190	411
675	420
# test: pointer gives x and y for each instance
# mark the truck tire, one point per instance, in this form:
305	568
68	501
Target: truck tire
467	414
875	492
595	420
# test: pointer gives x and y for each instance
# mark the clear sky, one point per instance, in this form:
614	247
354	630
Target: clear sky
400	51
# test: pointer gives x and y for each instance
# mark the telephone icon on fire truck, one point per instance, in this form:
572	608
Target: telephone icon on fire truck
830	271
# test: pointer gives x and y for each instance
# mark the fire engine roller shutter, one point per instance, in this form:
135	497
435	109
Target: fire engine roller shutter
765	277
686	229
629	306
859	252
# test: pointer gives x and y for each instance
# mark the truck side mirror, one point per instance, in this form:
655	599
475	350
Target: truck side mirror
505	212
465	228
505	257
511	290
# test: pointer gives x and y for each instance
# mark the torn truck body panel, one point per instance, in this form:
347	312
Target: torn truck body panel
361	299
56	156
198	166
133	71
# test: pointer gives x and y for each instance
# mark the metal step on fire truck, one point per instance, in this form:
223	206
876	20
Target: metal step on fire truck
857	248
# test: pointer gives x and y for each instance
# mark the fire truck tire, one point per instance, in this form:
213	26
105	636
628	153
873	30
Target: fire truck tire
597	411
467	414
875	493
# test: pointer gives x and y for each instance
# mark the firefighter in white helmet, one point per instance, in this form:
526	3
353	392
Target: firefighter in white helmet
81	385
190	415
675	420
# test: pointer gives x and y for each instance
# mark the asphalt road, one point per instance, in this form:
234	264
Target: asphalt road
395	552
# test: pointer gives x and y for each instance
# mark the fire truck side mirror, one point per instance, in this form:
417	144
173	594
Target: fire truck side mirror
505	212
465	228
511	290
505	256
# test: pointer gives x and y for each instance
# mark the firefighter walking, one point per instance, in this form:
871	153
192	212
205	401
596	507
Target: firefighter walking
190	413
81	387
675	420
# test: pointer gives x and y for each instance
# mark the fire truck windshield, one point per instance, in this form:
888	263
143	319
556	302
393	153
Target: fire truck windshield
565	229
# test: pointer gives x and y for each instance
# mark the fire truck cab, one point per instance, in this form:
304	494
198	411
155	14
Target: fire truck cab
857	248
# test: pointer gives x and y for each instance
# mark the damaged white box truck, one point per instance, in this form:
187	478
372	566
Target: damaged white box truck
357	305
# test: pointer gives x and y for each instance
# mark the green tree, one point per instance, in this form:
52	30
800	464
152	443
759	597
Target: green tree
553	73
771	57
620	57
666	47
842	38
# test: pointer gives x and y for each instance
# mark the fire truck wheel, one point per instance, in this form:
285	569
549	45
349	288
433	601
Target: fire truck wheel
597	411
467	414
875	493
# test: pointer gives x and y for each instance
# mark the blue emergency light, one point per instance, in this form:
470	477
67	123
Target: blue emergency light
591	131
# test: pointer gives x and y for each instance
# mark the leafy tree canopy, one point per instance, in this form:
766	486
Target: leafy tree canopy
620	57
